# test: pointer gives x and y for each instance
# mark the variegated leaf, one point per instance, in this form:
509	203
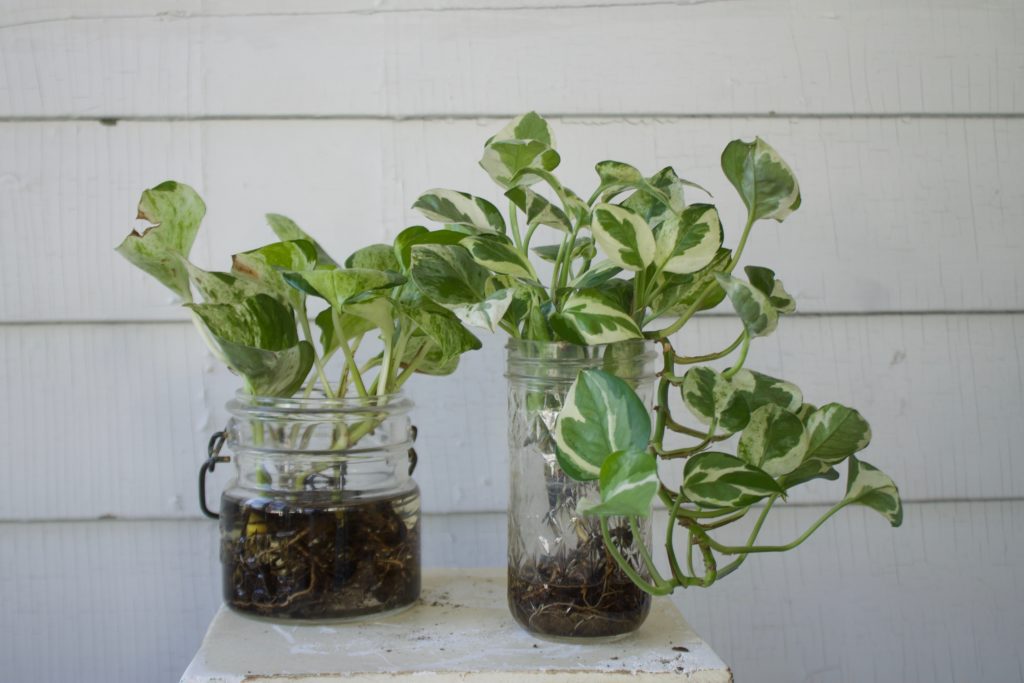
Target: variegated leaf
652	207
759	389
583	248
257	338
591	317
434	362
689	242
764	181
808	470
220	288
374	257
528	126
836	432
485	314
624	236
500	256
448	274
175	210
601	415
344	286
712	398
459	208
505	160
759	317
616	174
596	275
351	326
538	210
720	480
287	230
629	482
764	280
868	485
774	440
417	234
675	294
265	266
444	330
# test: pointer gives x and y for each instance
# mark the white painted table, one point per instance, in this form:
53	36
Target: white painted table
460	631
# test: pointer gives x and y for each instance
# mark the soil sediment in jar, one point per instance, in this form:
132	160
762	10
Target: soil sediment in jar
582	595
320	561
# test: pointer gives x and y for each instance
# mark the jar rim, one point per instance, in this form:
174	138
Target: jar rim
245	404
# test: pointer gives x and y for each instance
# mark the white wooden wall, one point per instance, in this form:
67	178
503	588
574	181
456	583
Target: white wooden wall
904	120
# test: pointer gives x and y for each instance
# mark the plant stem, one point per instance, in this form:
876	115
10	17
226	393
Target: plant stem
410	368
304	323
640	582
645	554
350	358
513	219
690	360
739	361
743	550
735	564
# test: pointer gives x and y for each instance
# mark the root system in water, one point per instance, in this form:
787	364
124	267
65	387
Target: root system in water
583	595
320	562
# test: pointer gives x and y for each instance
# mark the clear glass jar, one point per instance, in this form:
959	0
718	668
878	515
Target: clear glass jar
322	522
563	584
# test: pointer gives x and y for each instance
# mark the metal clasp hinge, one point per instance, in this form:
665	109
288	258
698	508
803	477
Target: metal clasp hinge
214	457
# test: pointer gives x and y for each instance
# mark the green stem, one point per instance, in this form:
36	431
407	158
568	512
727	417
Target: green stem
350	358
304	323
513	219
412	366
662	409
645	554
740	360
625	566
743	550
735	564
526	241
690	360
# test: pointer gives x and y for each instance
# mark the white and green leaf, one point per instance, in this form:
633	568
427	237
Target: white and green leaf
675	294
538	210
764	279
528	126
629	483
601	415
505	161
448	274
500	256
836	432
344	286
175	211
596	275
764	181
624	236
774	440
756	313
485	314
868	485
690	241
418	234
444	330
713	400
720	480
583	248
265	267
589	316
218	288
287	230
374	257
459	208
759	389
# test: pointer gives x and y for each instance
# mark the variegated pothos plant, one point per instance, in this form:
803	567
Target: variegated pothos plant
636	261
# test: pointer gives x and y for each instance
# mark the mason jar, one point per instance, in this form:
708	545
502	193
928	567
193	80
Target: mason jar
563	584
322	521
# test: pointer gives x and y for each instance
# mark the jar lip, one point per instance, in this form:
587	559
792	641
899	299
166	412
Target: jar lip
245	404
550	351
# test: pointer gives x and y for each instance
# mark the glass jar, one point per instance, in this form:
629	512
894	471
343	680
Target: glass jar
563	584
322	522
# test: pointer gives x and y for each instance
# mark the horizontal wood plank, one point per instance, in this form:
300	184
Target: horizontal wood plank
114	419
934	226
855	587
186	58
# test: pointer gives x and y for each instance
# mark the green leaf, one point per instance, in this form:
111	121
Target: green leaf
591	317
486	314
417	234
340	287
528	126
459	208
712	398
629	482
651	207
624	236
499	256
175	210
265	267
807	471
503	160
287	230
759	317
759	389
538	210
352	326
868	485
773	440
690	242
596	275
444	330
257	339
448	274
220	288
374	257
601	415
764	280
616	174
720	480
676	293
435	362
764	181
583	248
836	432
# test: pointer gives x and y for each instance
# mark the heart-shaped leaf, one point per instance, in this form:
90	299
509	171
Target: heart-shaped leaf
528	126
175	210
756	313
601	415
343	286
583	248
807	471
712	398
460	208
720	480
592	317
445	331
868	485
616	174
374	257
417	234
538	210
498	255
448	274
629	482
505	159
624	236
764	280
764	181
774	440
758	389
486	314
287	230
265	267
689	242
596	275
675	294
220	288
836	432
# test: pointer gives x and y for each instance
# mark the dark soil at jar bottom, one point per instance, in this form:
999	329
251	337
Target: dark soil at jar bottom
320	562
579	598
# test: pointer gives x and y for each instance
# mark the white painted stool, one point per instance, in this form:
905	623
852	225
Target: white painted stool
460	631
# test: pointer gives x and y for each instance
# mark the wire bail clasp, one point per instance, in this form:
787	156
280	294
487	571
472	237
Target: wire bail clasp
214	457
